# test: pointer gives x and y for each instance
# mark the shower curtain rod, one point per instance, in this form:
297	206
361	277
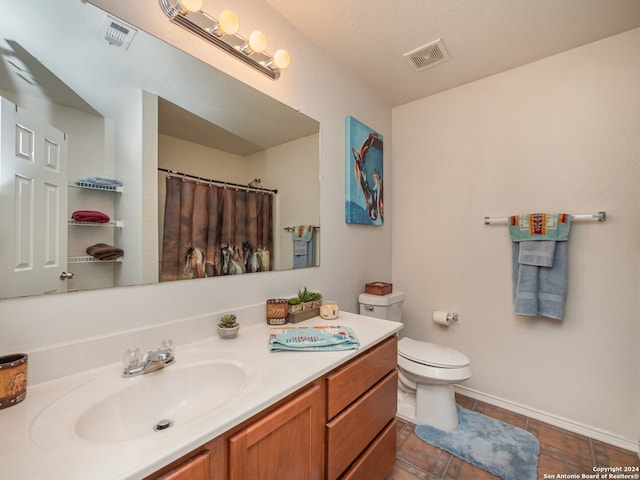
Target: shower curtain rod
600	217
219	182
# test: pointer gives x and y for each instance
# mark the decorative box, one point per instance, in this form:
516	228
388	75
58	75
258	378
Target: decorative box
378	288
277	311
13	379
295	317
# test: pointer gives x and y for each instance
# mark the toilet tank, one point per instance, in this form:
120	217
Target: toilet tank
388	307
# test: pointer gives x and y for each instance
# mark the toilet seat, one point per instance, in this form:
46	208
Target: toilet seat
431	354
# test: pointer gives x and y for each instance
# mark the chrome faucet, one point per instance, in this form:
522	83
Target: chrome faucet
135	364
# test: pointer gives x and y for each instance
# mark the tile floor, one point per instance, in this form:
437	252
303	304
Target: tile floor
561	452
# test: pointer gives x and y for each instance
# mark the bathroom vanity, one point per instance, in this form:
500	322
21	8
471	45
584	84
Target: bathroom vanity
297	415
317	429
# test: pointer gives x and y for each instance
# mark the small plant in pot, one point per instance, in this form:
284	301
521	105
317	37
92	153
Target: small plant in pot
295	305
228	326
316	299
306	298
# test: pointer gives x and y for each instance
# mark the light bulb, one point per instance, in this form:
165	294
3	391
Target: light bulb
281	59
228	22
257	41
191	5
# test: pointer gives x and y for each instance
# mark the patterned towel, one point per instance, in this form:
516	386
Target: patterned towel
320	338
539	226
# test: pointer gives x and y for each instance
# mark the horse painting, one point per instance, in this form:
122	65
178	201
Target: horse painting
265	259
230	264
194	263
250	258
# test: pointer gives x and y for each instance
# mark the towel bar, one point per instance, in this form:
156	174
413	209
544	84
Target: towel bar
291	229
600	217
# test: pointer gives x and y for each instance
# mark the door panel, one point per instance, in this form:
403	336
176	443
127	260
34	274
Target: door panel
33	204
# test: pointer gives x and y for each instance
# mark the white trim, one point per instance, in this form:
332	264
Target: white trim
564	423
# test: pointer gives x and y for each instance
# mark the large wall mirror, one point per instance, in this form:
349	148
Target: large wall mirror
99	103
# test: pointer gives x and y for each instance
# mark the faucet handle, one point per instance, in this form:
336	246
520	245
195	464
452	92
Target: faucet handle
165	352
132	358
167	345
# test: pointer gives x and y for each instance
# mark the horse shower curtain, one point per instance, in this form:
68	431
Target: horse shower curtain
212	230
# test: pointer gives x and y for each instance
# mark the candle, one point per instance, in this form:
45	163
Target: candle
329	310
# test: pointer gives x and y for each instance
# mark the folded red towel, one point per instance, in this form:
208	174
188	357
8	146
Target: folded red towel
90	216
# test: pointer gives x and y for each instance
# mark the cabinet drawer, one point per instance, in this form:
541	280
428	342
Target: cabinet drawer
378	458
352	380
350	432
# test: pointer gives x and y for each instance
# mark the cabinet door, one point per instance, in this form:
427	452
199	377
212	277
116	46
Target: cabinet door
196	468
287	444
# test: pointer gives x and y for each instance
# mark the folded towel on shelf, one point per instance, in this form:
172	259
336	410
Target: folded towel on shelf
319	338
92	216
100	181
103	251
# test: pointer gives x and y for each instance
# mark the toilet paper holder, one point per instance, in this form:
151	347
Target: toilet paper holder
444	318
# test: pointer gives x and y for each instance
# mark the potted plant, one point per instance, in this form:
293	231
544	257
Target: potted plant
316	299
228	326
306	298
295	305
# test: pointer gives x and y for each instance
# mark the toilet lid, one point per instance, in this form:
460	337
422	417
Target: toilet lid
432	354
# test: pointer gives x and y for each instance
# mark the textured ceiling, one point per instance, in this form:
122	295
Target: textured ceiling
482	37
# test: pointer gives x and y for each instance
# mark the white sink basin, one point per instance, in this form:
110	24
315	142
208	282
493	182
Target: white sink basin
113	409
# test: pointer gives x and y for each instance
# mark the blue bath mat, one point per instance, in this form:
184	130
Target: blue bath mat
497	447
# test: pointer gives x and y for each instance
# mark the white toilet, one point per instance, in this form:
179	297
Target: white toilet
427	369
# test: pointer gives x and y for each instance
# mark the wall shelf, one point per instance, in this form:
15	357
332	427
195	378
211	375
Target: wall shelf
111	223
91	186
90	259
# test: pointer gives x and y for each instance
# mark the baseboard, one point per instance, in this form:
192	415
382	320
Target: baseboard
554	420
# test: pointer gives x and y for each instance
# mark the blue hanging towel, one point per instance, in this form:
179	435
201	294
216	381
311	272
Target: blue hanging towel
539	256
303	243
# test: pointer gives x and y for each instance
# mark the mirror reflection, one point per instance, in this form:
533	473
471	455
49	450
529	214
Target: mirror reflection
105	114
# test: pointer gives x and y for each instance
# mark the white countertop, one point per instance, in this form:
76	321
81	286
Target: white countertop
282	374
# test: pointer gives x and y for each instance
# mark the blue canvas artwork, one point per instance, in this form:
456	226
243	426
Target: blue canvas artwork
364	174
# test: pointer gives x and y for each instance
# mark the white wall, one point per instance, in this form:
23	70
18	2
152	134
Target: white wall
352	255
558	135
292	169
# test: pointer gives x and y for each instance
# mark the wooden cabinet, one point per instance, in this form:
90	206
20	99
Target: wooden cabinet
284	445
195	468
361	409
341	425
205	463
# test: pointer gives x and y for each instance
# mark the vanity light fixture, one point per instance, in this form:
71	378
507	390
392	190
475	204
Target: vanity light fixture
223	33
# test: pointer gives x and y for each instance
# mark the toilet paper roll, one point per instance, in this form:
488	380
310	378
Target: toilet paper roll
442	318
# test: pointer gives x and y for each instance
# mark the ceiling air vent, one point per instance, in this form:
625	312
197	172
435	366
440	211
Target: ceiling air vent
116	33
428	55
